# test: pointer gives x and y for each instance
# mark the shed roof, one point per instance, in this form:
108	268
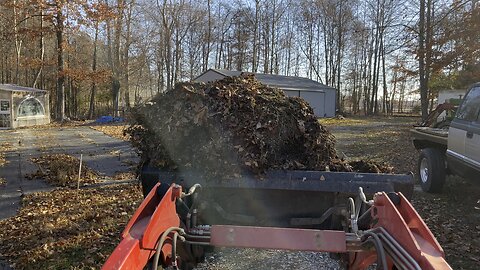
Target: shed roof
18	88
280	81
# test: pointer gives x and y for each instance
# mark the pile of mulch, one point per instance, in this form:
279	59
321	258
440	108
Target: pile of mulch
62	170
68	229
370	166
232	126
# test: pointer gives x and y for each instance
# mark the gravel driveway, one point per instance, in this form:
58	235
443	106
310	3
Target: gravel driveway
233	259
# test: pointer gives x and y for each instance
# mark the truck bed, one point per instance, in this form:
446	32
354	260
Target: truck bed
432	135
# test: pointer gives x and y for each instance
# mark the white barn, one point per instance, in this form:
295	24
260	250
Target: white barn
320	97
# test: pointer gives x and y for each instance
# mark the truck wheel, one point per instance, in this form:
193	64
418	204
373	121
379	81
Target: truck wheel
431	170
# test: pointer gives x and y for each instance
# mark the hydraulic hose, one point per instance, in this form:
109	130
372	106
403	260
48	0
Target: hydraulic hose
191	190
176	236
174	250
158	250
381	257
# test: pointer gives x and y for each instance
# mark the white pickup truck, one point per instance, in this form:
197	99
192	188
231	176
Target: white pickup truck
452	151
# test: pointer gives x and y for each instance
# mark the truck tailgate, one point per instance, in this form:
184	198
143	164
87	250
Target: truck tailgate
435	135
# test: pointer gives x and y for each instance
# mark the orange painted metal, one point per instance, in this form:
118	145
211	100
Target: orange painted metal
362	260
409	230
154	216
278	238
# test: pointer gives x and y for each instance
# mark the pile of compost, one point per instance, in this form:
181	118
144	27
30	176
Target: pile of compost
229	127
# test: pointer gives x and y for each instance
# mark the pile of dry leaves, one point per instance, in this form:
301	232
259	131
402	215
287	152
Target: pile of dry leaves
58	124
370	166
125	176
3	161
5	147
231	126
62	170
112	130
68	229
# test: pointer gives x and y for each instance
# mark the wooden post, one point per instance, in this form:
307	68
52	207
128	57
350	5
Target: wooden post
79	171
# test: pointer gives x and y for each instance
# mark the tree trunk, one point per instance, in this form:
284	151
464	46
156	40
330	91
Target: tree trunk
116	95
428	48
339	55
42	53
386	105
60	116
18	43
421	61
91	109
116	84
255	38
126	68
209	36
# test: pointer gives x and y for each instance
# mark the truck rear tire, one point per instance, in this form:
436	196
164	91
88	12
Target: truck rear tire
431	170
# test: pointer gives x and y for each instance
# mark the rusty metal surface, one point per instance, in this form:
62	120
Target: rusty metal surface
278	238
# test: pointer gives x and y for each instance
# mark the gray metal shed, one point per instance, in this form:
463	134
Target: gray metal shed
320	97
23	106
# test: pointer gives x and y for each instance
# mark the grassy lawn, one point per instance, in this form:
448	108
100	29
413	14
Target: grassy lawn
365	121
379	139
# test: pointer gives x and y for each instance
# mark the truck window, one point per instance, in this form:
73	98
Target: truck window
470	107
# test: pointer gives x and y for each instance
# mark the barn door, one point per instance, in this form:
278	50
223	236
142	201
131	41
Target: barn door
316	101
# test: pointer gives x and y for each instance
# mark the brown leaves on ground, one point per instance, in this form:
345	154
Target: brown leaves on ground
113	130
3	161
57	124
383	141
5	147
370	166
68	229
454	220
62	170
3	182
452	216
125	176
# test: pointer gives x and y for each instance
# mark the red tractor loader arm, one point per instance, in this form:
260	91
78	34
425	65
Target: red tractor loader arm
152	219
396	237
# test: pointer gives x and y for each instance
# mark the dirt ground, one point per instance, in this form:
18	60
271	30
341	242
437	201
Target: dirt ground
453	216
